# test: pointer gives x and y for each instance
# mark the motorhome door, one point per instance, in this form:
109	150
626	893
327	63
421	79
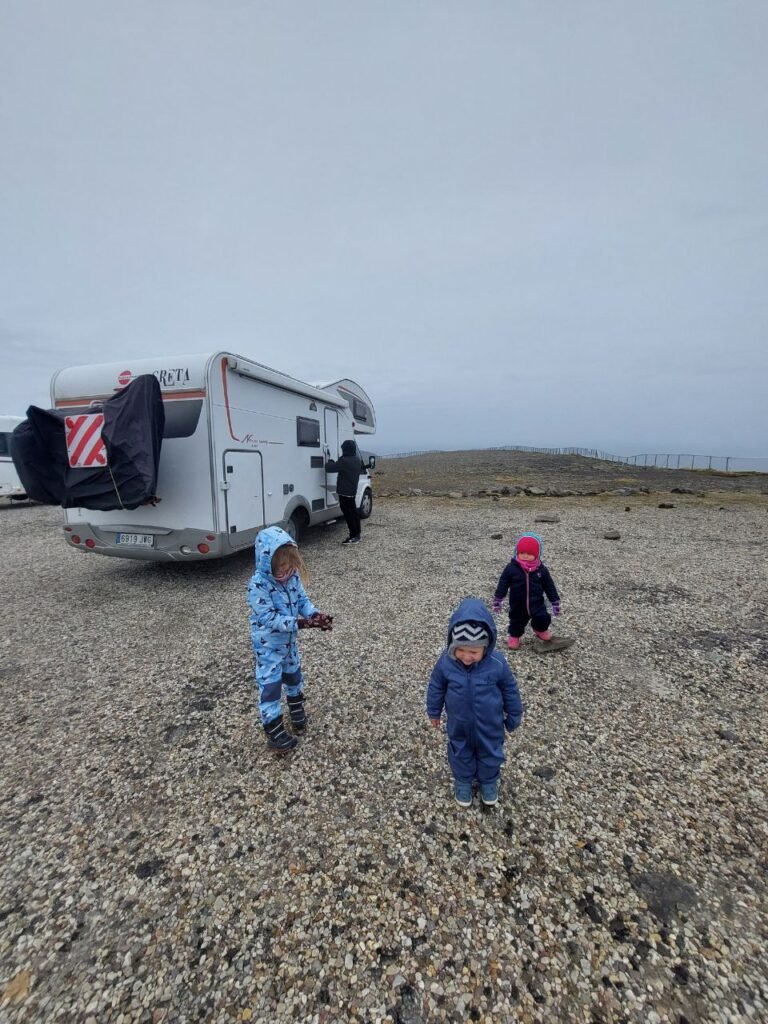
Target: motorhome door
244	493
332	441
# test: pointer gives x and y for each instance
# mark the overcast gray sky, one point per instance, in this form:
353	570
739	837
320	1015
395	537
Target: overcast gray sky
538	222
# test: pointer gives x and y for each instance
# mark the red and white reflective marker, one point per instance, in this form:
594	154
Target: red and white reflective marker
125	378
85	445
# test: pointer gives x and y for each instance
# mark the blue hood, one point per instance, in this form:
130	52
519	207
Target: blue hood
267	543
472	609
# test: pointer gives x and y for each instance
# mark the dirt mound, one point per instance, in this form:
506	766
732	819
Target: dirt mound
493	470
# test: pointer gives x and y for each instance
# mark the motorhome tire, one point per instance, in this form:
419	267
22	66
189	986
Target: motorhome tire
295	526
366	505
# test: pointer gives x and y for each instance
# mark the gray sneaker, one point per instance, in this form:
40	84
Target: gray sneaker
354	540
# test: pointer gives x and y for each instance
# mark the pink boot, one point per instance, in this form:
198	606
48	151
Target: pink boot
513	642
546	635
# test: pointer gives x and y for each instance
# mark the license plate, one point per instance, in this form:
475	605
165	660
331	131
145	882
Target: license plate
141	540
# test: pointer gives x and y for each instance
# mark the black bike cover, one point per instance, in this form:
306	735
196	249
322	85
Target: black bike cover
132	434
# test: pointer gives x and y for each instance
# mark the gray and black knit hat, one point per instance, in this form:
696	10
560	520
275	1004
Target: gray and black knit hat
469	634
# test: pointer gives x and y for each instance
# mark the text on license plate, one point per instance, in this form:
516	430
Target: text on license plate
144	540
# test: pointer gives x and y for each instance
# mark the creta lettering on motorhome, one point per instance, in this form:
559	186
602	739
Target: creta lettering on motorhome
172	378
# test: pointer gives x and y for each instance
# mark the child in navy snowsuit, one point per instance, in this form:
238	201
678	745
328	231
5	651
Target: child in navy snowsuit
475	685
527	580
279	608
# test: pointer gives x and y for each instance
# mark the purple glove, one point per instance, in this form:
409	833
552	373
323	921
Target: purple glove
555	608
496	604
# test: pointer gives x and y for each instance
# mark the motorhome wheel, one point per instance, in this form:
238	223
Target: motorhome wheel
366	505
295	526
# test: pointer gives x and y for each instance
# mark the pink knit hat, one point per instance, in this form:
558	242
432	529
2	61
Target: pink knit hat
528	546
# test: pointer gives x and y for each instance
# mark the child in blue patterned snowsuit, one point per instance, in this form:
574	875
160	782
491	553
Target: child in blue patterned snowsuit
475	685
279	608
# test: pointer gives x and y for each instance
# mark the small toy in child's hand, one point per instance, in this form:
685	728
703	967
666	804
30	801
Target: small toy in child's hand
320	621
317	621
555	608
496	604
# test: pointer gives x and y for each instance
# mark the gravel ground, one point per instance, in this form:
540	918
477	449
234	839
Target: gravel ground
159	865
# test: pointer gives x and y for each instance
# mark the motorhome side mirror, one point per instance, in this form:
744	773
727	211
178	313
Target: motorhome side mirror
371	462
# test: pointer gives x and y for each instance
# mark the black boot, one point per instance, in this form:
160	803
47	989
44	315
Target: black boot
298	714
278	737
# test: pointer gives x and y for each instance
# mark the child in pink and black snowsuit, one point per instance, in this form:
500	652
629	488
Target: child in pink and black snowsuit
527	581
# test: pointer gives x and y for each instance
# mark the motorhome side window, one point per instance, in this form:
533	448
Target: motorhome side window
181	417
5	448
360	411
307	432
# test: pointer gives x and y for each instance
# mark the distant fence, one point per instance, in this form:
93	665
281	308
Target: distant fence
720	463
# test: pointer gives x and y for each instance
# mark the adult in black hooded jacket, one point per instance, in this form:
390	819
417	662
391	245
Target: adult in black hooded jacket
349	467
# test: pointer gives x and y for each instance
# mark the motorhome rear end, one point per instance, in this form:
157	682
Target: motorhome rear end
10	485
243	447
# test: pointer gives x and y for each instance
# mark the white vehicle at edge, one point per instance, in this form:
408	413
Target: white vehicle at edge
10	485
243	448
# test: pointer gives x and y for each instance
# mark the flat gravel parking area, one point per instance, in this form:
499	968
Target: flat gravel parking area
159	865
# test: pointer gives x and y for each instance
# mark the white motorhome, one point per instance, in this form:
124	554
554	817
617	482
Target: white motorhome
243	448
10	485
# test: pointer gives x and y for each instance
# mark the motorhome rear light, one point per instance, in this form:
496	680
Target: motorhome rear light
75	539
185	549
203	549
210	536
67	529
90	543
